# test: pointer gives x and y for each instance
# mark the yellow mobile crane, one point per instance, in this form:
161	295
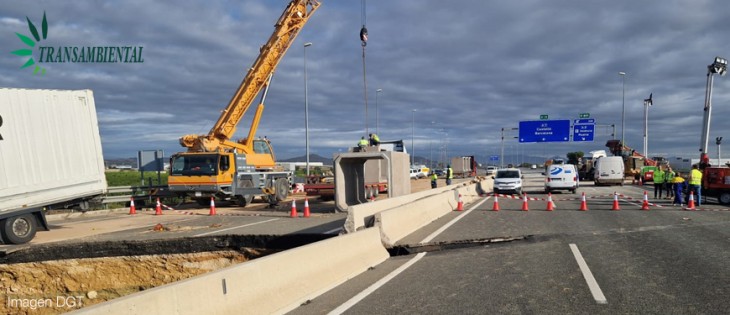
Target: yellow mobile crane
216	166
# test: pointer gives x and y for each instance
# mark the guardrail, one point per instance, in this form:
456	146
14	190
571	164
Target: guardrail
117	194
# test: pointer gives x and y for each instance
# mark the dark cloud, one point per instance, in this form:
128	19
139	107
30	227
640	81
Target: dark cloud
469	68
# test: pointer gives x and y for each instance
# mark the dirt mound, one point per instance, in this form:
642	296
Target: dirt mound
53	287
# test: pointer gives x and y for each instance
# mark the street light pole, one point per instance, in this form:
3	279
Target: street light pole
306	107
377	131
647	102
623	107
413	129
501	158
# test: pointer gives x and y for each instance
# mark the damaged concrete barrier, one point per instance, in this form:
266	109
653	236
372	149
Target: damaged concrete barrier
398	223
363	215
276	283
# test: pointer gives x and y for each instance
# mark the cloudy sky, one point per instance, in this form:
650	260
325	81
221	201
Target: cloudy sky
469	68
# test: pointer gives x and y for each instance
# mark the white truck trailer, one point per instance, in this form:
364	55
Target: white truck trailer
50	157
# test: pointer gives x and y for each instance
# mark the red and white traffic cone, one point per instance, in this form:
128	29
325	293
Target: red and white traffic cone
583	204
460	204
691	202
524	203
212	206
158	208
293	213
645	204
615	202
495	205
132	209
550	204
306	207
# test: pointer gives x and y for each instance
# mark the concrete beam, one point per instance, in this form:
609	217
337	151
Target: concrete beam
274	284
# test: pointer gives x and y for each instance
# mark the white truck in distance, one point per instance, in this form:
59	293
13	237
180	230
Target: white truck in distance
50	157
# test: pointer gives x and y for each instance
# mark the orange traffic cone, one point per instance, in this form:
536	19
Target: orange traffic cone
460	204
550	205
615	202
212	206
132	210
524	203
293	213
495	205
583	204
691	202
306	207
158	208
645	204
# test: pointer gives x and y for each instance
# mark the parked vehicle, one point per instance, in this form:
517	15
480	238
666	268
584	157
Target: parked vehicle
561	177
508	180
215	165
464	166
50	158
609	170
647	173
491	170
417	173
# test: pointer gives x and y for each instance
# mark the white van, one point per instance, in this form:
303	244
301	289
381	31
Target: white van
608	170
508	180
561	177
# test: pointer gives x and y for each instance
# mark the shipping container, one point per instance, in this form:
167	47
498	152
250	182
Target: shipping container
464	166
50	156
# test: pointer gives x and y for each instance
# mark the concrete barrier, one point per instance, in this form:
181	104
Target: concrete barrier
363	215
273	284
397	223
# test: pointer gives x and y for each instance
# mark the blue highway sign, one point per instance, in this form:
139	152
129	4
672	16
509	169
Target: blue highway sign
583	132
494	157
584	121
545	131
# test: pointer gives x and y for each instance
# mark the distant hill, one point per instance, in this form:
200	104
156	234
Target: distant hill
312	158
121	161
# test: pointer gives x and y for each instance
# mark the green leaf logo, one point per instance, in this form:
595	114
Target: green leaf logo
30	43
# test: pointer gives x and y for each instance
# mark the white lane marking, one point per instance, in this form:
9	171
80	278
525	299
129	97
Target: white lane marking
333	231
447	225
360	296
235	227
592	284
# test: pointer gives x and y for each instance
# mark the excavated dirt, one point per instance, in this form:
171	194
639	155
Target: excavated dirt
63	285
53	287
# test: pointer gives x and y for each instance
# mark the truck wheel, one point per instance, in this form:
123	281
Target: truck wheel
282	189
724	198
203	202
244	200
19	230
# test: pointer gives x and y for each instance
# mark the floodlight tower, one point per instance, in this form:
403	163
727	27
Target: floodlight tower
719	66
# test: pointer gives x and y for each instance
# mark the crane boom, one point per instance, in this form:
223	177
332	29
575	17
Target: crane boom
287	28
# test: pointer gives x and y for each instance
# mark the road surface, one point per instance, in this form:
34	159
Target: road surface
662	261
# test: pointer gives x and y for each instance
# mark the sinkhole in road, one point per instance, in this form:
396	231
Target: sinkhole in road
101	271
410	249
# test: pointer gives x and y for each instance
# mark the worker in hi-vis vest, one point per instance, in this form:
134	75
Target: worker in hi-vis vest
449	174
434	177
658	182
695	185
362	144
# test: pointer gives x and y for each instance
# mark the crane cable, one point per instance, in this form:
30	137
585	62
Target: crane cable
364	42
